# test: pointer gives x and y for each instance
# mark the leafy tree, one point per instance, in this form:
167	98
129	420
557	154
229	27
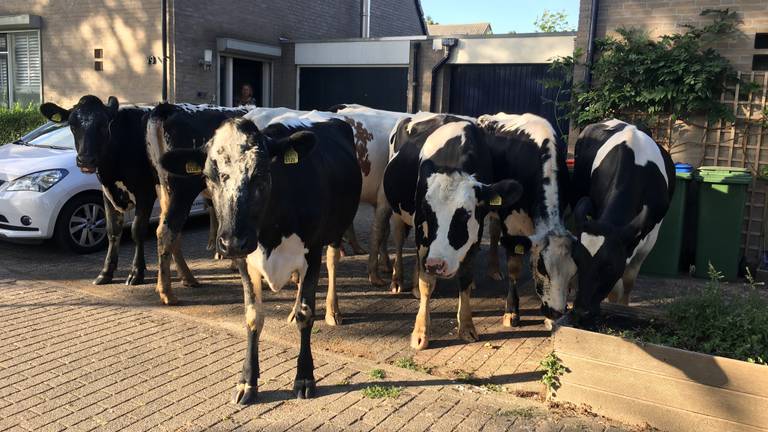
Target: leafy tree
430	21
552	21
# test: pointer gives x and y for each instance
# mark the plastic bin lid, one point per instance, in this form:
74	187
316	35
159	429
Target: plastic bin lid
683	167
717	174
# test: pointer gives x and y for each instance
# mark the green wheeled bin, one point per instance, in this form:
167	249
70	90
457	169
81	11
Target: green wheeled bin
722	197
664	259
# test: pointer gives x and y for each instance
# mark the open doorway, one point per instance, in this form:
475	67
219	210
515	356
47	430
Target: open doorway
244	81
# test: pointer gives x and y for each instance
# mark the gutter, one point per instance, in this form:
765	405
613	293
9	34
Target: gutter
164	37
448	44
591	42
415	80
422	21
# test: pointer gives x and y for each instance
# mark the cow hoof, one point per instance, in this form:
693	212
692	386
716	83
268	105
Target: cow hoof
395	288
419	340
245	394
548	324
468	333
510	320
495	275
136	277
168	299
190	283
103	279
333	319
295	278
376	280
291	317
305	388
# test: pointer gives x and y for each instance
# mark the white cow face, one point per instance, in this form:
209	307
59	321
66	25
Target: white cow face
553	270
449	210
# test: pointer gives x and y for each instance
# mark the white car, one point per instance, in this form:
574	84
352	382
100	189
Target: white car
44	195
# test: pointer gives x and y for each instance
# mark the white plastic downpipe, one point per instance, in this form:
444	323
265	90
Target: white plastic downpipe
365	19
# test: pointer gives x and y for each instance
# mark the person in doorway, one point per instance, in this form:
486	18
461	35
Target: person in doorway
246	95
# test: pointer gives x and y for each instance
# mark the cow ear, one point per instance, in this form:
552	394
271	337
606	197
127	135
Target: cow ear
54	113
582	213
184	162
112	105
294	148
501	194
630	232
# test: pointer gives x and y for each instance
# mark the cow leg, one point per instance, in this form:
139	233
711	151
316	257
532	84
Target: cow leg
351	237
114	232
467	329
415	290
396	285
332	312
383	205
420	335
248	386
512	304
213	228
187	278
139	234
304	385
494	231
164	249
380	218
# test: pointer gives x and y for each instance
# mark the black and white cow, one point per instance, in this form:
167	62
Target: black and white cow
524	147
109	140
280	196
623	184
171	127
399	188
452	199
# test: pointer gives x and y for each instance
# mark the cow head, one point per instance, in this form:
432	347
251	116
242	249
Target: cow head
601	252
450	207
553	272
90	121
236	166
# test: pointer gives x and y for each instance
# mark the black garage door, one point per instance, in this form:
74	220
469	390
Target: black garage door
377	87
512	88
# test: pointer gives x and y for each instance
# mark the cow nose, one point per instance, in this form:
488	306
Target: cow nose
434	266
232	247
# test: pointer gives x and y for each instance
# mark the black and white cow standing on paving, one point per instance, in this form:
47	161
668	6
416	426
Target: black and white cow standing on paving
452	200
624	182
109	140
524	147
280	196
171	127
399	188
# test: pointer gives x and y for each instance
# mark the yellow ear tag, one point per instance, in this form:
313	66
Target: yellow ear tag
193	167
290	157
589	218
519	250
496	200
56	118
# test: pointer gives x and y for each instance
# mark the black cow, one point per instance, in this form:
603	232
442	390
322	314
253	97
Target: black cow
171	127
524	147
623	184
452	199
110	142
280	196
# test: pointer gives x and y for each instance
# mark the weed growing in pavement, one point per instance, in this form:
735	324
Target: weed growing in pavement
378	374
494	388
522	412
410	364
381	391
464	376
553	370
345	382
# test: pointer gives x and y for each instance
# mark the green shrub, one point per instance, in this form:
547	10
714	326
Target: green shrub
17	121
714	322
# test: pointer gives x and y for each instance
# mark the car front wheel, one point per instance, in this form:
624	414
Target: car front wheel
82	224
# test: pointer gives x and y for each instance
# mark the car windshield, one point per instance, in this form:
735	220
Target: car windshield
50	135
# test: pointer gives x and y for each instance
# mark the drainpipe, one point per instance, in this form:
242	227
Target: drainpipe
417	78
365	19
448	45
591	42
164	36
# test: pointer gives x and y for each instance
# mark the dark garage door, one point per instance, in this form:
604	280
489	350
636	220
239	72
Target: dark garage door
377	87
512	88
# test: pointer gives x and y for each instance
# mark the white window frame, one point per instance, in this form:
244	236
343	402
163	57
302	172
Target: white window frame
11	65
267	83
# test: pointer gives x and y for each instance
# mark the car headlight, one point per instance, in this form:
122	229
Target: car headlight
37	182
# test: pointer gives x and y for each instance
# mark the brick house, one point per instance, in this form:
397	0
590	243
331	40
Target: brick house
60	50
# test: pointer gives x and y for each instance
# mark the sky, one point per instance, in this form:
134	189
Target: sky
504	15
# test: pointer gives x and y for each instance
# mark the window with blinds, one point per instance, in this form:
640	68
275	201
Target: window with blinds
20	68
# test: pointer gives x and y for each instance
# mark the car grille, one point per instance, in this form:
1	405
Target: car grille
3	219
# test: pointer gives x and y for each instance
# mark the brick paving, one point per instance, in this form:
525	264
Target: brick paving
81	357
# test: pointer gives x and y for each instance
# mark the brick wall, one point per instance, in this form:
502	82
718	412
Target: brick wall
667	16
427	59
395	18
128	31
